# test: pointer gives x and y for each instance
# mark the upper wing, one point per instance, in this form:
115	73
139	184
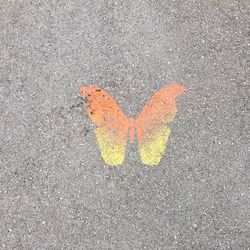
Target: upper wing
112	124
151	124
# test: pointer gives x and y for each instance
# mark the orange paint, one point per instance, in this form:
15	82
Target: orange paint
131	129
150	126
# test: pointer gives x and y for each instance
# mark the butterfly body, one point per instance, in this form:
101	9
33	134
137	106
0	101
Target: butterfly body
113	127
131	129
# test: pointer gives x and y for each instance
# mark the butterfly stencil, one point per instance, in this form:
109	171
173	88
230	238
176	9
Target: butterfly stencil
113	127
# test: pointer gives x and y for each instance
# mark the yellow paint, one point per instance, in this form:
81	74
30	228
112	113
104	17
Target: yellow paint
153	149
112	150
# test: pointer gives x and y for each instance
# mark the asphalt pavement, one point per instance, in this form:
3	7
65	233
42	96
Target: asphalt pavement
56	192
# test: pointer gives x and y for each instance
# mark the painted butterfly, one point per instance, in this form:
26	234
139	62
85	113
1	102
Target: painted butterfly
113	127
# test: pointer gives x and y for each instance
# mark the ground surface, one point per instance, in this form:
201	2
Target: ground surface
55	190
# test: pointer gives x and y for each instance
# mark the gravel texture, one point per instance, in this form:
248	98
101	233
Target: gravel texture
55	190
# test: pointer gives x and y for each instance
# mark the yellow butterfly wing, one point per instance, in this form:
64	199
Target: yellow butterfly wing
151	124
112	124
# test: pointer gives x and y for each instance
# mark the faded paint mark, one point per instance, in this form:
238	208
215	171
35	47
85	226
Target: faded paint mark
150	127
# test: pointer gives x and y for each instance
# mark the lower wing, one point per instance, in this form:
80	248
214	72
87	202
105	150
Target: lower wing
112	146
152	149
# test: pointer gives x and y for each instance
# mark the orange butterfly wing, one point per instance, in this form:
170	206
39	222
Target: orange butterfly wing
151	124
112	124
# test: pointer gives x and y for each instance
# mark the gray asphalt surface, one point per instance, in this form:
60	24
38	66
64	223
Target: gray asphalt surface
55	190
